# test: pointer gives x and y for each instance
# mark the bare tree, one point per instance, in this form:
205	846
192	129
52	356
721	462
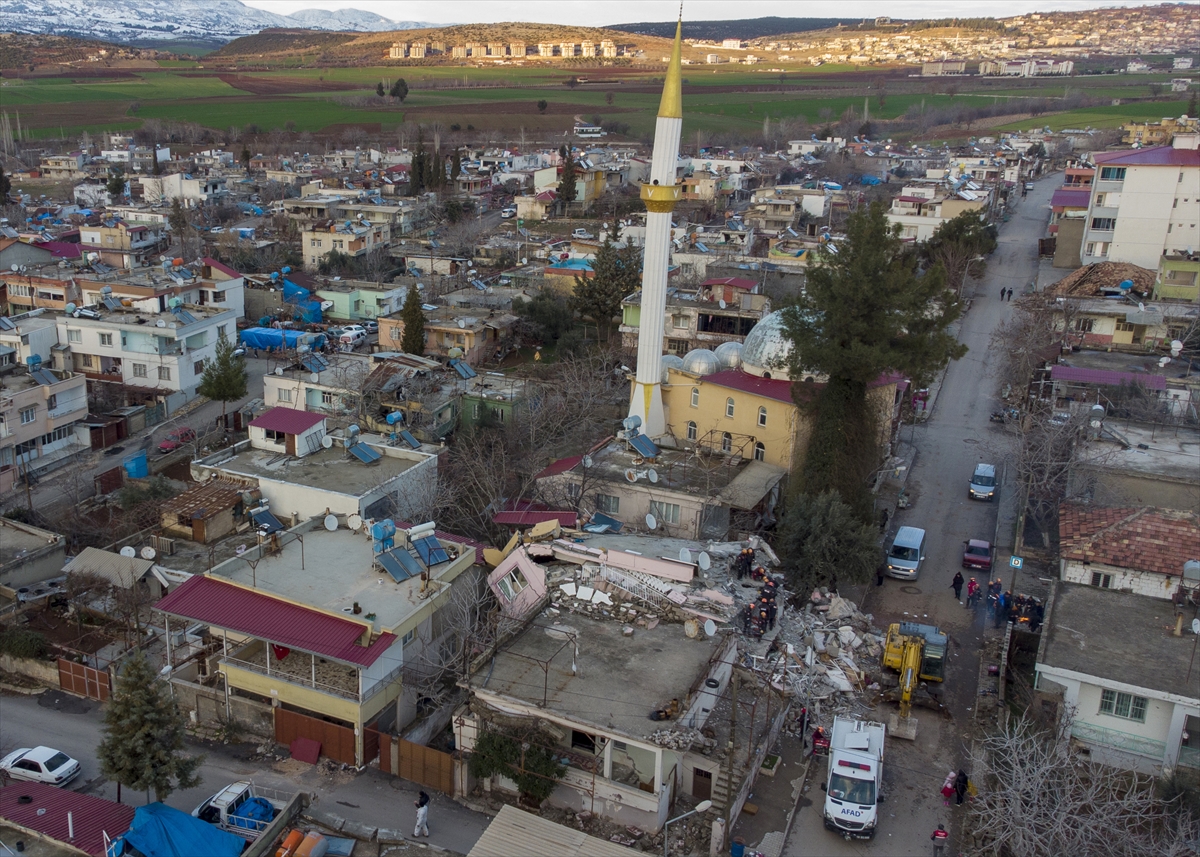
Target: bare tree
1038	798
1041	458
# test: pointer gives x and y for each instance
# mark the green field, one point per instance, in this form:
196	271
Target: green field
505	103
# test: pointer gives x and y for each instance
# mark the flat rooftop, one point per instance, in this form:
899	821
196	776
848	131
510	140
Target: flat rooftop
1172	451
620	680
1118	635
331	571
17	540
683	471
1118	361
330	469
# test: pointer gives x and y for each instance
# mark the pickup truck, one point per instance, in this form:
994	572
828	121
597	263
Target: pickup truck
243	808
581	234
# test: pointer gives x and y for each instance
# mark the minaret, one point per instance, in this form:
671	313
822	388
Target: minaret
660	196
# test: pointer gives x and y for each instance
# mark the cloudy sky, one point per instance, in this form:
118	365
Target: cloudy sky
593	13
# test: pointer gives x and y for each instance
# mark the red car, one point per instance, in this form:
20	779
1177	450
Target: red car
977	554
177	438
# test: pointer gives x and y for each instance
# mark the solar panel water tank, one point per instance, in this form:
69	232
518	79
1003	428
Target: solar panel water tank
399	564
383	533
431	551
365	454
408	438
266	522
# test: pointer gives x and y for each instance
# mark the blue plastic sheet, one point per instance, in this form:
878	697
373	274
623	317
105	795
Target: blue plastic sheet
160	831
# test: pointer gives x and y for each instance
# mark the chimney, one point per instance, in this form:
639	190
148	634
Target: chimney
1187	140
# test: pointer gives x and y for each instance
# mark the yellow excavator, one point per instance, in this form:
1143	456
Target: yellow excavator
918	653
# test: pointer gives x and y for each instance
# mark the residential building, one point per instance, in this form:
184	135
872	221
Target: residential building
28	337
566	49
1181	63
191	192
349	238
458	52
943	67
1178	278
921	210
545	49
1180	84
123	245
523	832
1026	68
42	414
471	334
64	167
319	624
517	50
771	212
1127	696
92	193
30	553
587	49
397	51
1161	133
154	356
497	49
416	50
608	49
1144	204
721	310
60	821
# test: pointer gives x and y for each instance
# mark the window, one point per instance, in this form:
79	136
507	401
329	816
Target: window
1124	327
198	367
283	394
396	333
1112	174
326	397
52	402
666	513
679	322
1104	581
1099	200
164	373
512	584
608	504
691	430
106	339
28	415
408	637
729	407
695	397
726	442
582	741
1104	223
86	361
1123	705
760	452
762	416
1084	325
221	328
74	336
475	411
139	370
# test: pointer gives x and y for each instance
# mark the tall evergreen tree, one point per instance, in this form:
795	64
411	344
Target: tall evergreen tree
413	340
116	181
225	379
143	735
616	273
567	191
399	90
5	185
865	311
419	168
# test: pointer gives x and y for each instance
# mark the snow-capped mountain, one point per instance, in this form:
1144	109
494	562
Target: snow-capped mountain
145	21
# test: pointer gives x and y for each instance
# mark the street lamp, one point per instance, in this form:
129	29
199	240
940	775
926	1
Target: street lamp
703	806
966	268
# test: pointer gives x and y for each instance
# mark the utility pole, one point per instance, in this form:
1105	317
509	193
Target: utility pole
733	685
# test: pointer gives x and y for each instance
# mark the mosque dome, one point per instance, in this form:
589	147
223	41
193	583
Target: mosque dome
670	361
767	348
730	354
701	362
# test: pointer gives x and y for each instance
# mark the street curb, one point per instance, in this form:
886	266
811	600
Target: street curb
787	828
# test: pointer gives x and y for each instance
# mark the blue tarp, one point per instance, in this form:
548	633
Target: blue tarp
160	831
254	814
267	337
309	307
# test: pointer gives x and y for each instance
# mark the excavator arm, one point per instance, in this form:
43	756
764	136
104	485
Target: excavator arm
910	668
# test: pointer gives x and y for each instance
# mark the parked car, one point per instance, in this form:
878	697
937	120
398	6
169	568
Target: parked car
177	438
977	554
508	213
40	765
352	339
333	334
353	328
983	482
371	326
581	233
1028	185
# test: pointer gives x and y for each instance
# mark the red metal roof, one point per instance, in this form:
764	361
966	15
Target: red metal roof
736	282
736	379
529	517
1106	377
919	199
257	614
91	817
1158	156
287	420
560	466
1071	198
220	266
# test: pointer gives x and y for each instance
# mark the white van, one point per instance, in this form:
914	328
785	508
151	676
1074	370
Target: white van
906	553
352	339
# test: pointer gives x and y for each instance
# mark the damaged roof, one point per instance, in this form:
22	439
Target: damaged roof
1092	280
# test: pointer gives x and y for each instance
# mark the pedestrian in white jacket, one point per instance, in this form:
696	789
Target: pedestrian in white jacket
422	805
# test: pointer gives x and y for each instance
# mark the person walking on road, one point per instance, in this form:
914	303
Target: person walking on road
422	805
972	593
948	787
960	787
1002	293
940	837
1010	295
957	585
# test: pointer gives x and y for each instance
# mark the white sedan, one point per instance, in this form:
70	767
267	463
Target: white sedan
40	765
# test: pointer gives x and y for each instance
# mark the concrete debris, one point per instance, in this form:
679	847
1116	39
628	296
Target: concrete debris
682	739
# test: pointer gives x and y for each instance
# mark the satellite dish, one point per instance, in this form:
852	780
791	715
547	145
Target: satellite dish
331	522
14	268
125	551
149	552
710	627
721	304
327	442
314	377
685	555
1196	626
278	370
1176	347
587	461
653	475
160	323
631	475
354	522
651	522
462	324
704	561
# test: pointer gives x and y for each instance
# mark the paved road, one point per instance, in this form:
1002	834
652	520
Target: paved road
67	723
955	437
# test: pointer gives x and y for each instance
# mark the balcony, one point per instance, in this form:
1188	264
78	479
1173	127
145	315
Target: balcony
1114	739
307	671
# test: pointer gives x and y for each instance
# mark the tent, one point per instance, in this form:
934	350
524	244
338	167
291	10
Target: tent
160	831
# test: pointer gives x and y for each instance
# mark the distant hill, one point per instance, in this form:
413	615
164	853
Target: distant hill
748	28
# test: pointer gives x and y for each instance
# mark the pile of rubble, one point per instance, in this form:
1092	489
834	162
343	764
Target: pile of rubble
683	739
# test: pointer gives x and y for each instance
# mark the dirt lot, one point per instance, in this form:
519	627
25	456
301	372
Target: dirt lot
65	632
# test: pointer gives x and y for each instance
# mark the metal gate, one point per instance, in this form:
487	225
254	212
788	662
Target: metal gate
424	765
337	741
83	680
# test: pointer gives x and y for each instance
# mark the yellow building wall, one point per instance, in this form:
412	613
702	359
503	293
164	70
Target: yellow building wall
297	695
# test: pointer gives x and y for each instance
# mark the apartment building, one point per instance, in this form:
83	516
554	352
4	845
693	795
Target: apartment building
156	356
396	52
587	49
567	49
1159	133
122	244
68	166
1145	203
517	49
192	192
608	48
349	238
545	49
42	415
921	210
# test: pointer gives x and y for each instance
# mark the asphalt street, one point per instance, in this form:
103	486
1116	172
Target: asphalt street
955	437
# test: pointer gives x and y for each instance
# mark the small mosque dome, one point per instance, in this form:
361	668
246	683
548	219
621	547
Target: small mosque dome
767	348
670	361
730	354
701	362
